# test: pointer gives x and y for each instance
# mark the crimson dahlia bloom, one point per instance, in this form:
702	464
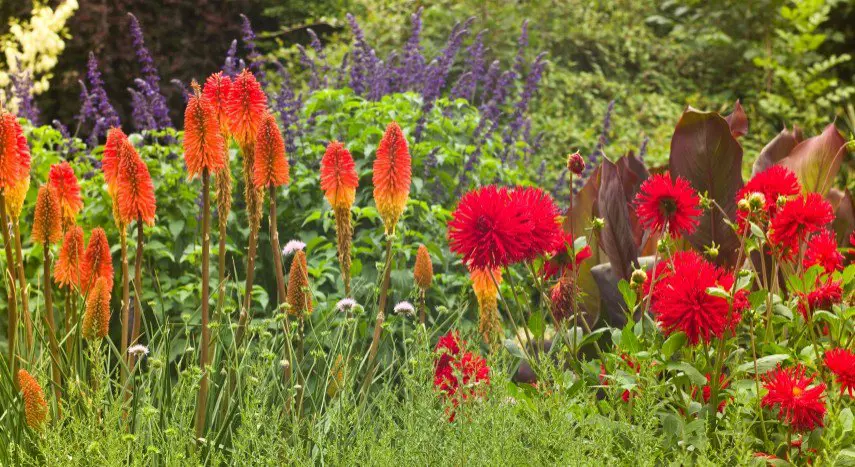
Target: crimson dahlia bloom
822	250
796	220
772	183
458	375
841	362
560	260
663	203
802	407
546	233
823	296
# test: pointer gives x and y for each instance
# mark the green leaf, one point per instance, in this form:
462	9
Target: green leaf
764	364
694	375
718	292
672	344
629	295
628	340
537	325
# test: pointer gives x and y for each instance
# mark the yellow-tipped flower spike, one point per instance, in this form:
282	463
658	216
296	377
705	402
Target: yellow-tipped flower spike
338	176
423	271
66	273
299	299
15	196
489	324
47	226
96	321
35	405
392	176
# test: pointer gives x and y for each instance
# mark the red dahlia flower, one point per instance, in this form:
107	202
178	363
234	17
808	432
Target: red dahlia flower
560	260
801	406
681	302
841	362
663	203
546	233
772	183
245	107
796	220
822	297
822	250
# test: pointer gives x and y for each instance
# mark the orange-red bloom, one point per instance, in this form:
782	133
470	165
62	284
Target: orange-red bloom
216	92
423	271
299	299
135	190
203	141
97	262
67	270
392	176
116	148
338	176
63	181
271	165
246	106
14	152
35	405
96	320
47	225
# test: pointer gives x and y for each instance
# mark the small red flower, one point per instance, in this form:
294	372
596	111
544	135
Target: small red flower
338	176
706	391
823	296
97	261
203	140
64	183
245	107
663	203
67	270
560	261
772	183
841	362
271	165
135	190
802	407
796	220
822	250
458	375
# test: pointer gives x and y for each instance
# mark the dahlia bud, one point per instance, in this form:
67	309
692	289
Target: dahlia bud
662	246
704	201
639	276
598	223
711	251
757	201
743	205
575	163
781	201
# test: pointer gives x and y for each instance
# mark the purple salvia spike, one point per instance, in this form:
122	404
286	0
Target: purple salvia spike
643	150
185	93
156	102
309	64
230	66
521	107
413	62
105	116
22	85
141	109
256	61
522	43
316	45
362	61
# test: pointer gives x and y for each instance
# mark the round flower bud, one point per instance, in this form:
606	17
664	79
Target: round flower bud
575	163
743	205
757	201
598	223
639	276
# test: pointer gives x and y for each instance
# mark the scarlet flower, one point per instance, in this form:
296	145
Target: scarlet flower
665	203
561	299
135	190
216	93
823	296
97	262
772	183
822	250
560	261
392	176
298	299
841	362
64	183
96	320
423	270
546	233
203	140
489	229
706	391
245	107
117	148
802	407
338	176
14	152
796	220
35	405
47	225
458	375
271	165
447	348
681	302
67	270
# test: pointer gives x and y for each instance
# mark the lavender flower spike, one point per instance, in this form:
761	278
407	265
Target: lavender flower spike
105	116
23	86
255	59
156	102
230	66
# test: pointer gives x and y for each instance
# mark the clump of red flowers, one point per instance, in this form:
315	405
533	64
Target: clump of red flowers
800	405
680	301
772	183
706	391
841	362
663	203
822	250
822	297
459	375
796	220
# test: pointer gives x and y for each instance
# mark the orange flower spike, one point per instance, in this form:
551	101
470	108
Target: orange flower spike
299	299
15	196
392	176
35	405
97	262
14	152
203	142
67	270
271	165
47	225
115	149
423	270
216	92
64	183
483	285
246	106
338	176
135	190
96	320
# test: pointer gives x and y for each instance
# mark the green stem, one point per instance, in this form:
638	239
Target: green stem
202	404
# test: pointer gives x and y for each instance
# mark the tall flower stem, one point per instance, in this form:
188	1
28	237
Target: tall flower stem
136	329
51	330
378	323
281	292
11	293
344	233
254	198
126	300
23	289
204	358
223	178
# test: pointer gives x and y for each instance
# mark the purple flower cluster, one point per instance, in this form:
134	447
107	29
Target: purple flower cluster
230	67
256	61
288	104
412	61
22	85
150	111
467	83
521	107
363	60
96	107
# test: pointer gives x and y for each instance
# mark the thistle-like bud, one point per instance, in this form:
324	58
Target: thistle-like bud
781	201
638	278
597	224
561	299
299	299
47	225
743	205
96	321
757	201
711	251
575	163
423	271
704	201
35	405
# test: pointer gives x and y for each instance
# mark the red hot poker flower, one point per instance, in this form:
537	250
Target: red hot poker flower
14	152
796	220
116	148
96	320
822	250
203	140
802	407
392	176
97	262
35	405
246	106
841	362
271	165
64	183
135	190
338	176
67	270
665	203
216	92
47	225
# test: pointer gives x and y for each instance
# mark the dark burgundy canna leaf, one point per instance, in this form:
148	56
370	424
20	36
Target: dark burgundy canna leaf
737	121
616	236
844	214
777	149
817	160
